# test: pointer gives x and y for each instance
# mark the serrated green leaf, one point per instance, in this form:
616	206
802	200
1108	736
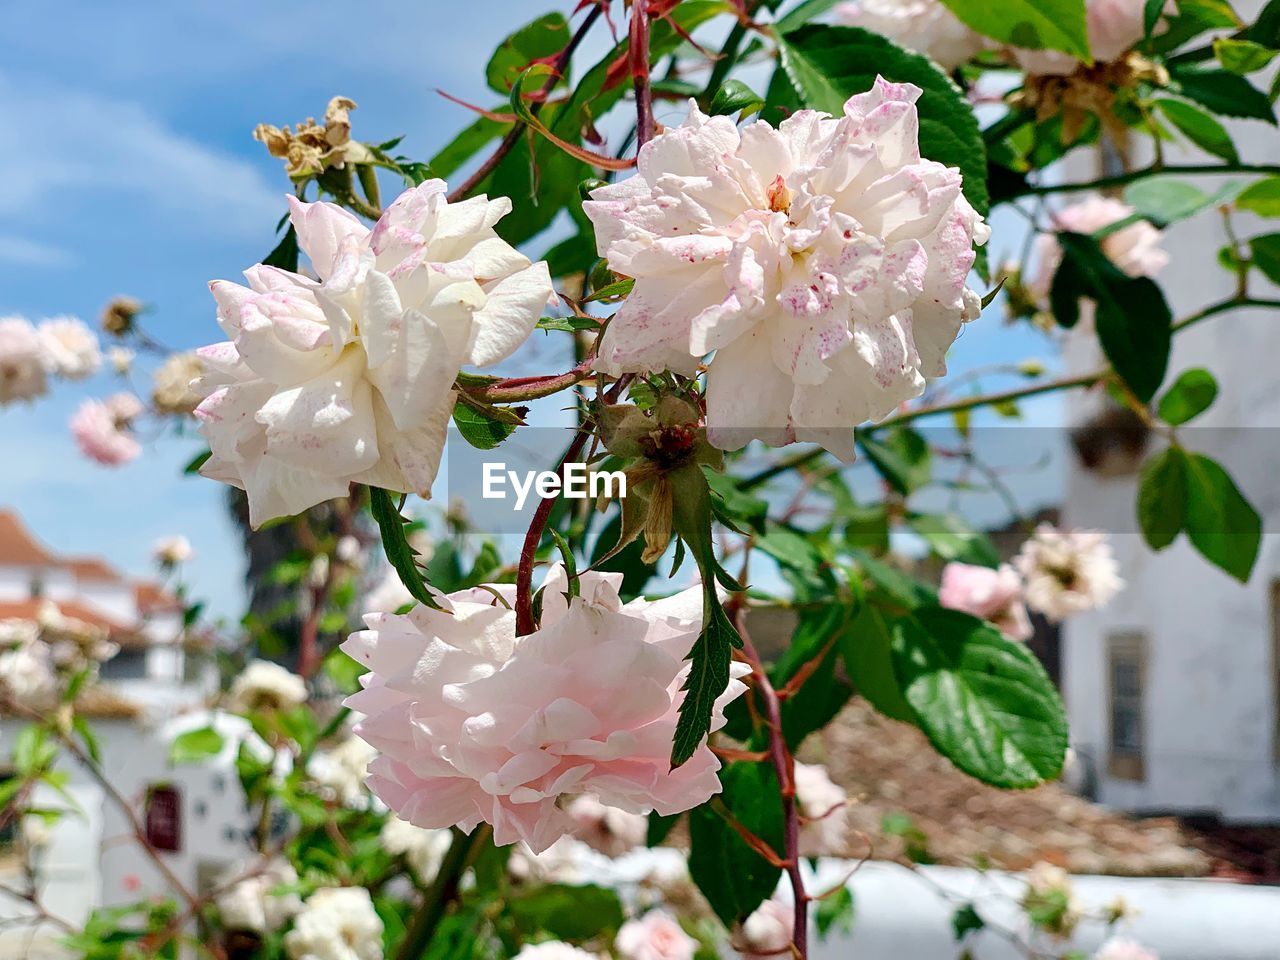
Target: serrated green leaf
1221	524
1166	199
537	40
481	431
1191	395
1241	56
867	647
1223	93
1033	24
1162	498
1133	320
570	913
1200	128
733	877
827	65
734	96
1262	197
395	544
983	700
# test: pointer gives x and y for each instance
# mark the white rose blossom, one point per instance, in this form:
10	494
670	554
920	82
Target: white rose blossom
1067	572
554	950
607	829
172	551
823	262
343	770
336	923
825	807
424	850
22	372
255	902
925	26
263	685
69	347
350	379
1120	948
767	932
1114	28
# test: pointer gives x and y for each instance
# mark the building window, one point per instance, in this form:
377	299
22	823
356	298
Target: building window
1275	670
1126	669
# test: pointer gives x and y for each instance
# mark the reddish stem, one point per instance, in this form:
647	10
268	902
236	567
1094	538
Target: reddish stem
784	766
646	126
558	68
518	389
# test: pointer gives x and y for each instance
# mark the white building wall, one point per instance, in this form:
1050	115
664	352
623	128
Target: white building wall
1210	689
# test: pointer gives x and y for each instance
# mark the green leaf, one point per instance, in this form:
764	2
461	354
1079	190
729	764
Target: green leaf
1162	498
734	96
538	40
465	145
1241	56
195	746
983	700
482	432
196	462
1033	24
1191	395
1262	198
1133	320
733	504
966	919
733	877
953	538
902	458
1200	128
285	254
659	829
1221	523
1265	251
802	13
570	913
708	676
395	544
1166	199
1151	12
867	647
790	548
827	65
1224	93
835	912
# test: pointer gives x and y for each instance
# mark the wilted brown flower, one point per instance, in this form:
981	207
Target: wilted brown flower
119	314
314	147
1091	90
172	391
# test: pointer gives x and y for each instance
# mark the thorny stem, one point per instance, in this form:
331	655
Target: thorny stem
784	766
519	389
646	126
513	135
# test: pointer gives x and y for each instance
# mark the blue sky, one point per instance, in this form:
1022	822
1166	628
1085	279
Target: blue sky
129	169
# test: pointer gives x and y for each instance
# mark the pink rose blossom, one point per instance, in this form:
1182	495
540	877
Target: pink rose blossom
102	429
554	950
655	936
925	26
1135	249
824	263
475	724
993	595
606	829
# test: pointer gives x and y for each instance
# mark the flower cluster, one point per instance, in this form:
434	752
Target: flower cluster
823	262
29	354
265	686
349	379
336	923
103	429
40	658
475	724
1056	573
255	897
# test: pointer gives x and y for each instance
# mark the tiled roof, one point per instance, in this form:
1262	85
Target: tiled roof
92	569
18	548
889	768
29	609
151	597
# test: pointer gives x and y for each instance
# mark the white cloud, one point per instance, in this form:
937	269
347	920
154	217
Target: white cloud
64	146
31	253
